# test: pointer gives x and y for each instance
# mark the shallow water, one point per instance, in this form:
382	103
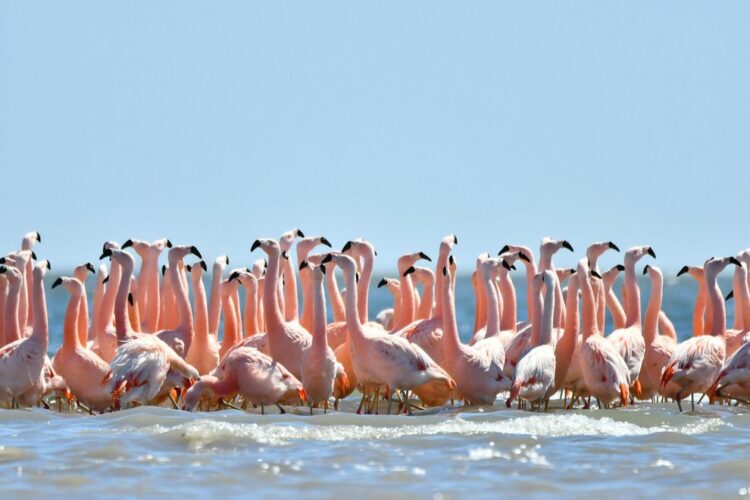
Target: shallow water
454	452
443	453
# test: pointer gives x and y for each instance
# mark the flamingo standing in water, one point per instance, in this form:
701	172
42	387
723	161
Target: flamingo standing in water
659	348
204	352
477	373
535	375
380	359
697	362
22	361
81	368
318	365
604	371
629	340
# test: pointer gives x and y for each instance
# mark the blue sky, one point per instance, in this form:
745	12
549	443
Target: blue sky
216	123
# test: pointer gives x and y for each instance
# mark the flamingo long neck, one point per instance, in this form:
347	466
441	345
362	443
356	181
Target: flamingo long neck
428	300
545	333
306	284
337	303
28	320
83	312
633	296
363	287
615	308
699	309
589	307
531	271
3	300
274	319
291	311
407	298
12	323
546	264
182	301
320	338
98	299
442	262
110	294
651	322
152	292
480	313
450	327
601	304
493	305
716	305
744	303
510	307
251	308
738	320
536	323
566	344
353	324
71	339
396	304
230	319
122	326
41	327
237	311
201	309
23	299
214	307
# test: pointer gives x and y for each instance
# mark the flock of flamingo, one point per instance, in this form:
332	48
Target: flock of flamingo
145	342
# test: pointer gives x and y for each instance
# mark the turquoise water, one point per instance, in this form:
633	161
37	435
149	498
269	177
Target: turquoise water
439	453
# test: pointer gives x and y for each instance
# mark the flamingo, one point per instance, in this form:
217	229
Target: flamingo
304	247
232	334
81	273
148	296
22	361
426	277
593	253
697	362
611	301
289	307
535	374
251	374
380	359
389	316
629	340
477	373
604	370
81	368
319	367
214	305
547	250
659	348
204	352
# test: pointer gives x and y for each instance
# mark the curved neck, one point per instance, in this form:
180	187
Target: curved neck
407	299
480	311
442	262
633	296
530	273
274	319
150	273
182	301
427	302
83	312
566	344
306	284
651	323
744	303
738	300
70	324
615	308
396	305
536	323
352	313
23	300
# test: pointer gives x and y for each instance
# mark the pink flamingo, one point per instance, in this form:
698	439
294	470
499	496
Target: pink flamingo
425	277
659	348
231	323
286	340
214	304
318	365
547	250
22	361
699	309
593	253
389	316
251	374
80	367
304	247
105	336
629	340
12	325
380	359
604	371
531	271
81	273
696	363
148	296
477	373
204	352
535	374
610	299
27	245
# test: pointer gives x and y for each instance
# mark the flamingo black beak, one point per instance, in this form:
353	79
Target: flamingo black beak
255	245
424	256
567	245
57	282
324	241
613	247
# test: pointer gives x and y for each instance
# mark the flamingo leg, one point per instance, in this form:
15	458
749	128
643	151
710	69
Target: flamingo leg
281	409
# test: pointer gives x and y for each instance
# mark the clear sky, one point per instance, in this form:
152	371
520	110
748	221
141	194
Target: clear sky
213	123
